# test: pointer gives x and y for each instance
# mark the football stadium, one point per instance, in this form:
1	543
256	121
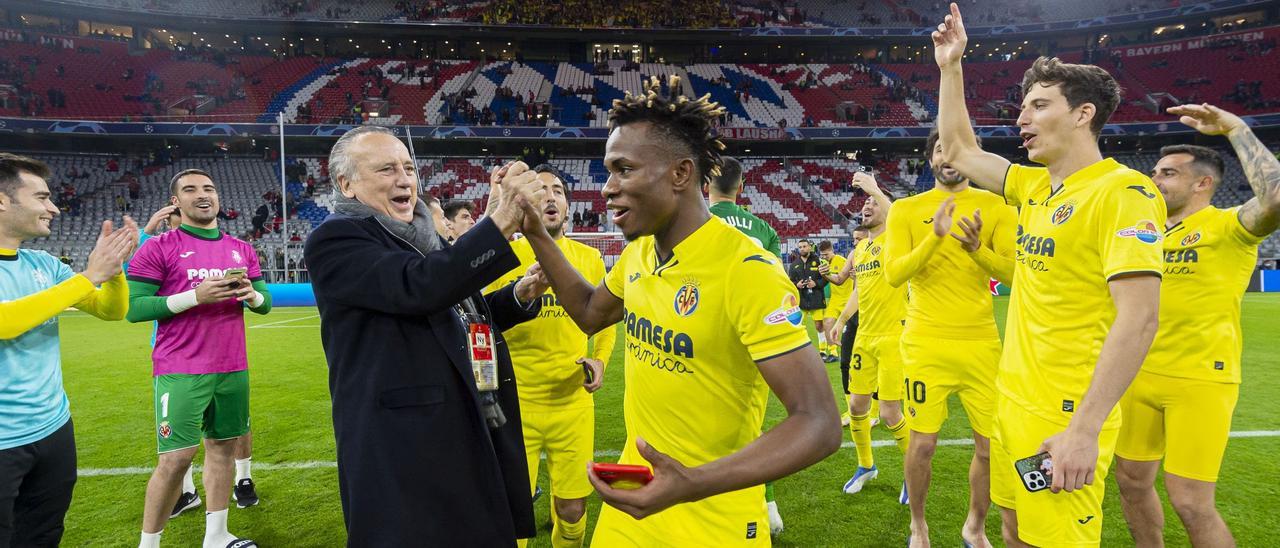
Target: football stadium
639	273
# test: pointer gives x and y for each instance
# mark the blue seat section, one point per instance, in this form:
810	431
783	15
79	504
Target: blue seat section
719	94
282	99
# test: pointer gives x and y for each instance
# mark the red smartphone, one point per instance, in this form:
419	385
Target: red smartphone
623	476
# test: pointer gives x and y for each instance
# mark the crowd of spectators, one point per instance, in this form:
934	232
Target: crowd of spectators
698	14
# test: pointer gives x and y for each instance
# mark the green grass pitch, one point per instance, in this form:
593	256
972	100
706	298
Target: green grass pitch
107	373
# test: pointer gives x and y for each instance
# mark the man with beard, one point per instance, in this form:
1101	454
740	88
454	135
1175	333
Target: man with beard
804	272
195	281
556	373
950	344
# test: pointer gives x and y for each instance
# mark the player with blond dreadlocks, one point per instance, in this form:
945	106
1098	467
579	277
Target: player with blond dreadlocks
701	353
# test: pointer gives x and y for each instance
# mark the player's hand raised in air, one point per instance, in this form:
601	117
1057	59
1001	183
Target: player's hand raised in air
1075	457
865	182
1208	119
495	189
216	289
950	40
159	218
971	241
673	483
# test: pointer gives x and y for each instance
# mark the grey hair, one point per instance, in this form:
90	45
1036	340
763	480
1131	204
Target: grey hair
340	164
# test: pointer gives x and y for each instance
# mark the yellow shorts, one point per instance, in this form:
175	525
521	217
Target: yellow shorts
876	367
818	315
1184	421
567	436
937	368
1045	518
834	309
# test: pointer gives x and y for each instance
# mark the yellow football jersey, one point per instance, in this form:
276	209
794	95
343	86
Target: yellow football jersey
839	292
881	307
1102	222
950	293
1208	260
544	350
696	324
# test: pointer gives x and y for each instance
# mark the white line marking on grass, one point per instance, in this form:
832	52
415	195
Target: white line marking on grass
313	464
260	326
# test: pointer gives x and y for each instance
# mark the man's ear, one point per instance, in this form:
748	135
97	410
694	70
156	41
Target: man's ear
344	186
682	174
1086	114
173	200
5	200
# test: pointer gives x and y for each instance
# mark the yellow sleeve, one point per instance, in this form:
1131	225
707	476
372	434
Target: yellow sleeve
616	280
767	319
1017	181
110	302
21	315
997	258
602	342
1130	227
1235	228
904	259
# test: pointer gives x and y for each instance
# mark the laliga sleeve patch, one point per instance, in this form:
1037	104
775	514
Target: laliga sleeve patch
1145	231
788	312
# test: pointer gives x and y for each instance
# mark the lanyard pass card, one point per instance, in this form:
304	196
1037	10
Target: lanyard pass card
484	363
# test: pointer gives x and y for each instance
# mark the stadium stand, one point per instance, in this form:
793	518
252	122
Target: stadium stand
211	85
647	13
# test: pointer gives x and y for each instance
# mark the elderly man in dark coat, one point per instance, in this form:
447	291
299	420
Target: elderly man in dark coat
422	460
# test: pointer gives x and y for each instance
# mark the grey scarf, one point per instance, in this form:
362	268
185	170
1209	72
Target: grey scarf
421	233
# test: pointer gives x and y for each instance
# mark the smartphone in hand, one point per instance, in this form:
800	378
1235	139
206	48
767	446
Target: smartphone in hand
623	476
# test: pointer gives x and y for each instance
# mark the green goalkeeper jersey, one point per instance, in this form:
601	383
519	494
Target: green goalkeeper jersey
754	227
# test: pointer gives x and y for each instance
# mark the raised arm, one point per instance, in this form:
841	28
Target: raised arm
354	268
959	144
592	307
866	183
1261	214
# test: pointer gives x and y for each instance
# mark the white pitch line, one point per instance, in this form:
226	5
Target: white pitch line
313	464
260	326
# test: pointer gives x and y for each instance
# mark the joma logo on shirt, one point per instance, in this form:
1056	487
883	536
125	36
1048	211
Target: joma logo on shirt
202	273
664	340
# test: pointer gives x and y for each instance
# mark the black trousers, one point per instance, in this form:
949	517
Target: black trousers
36	481
846	350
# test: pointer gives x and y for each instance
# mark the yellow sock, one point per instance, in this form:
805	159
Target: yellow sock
860	429
568	535
901	434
